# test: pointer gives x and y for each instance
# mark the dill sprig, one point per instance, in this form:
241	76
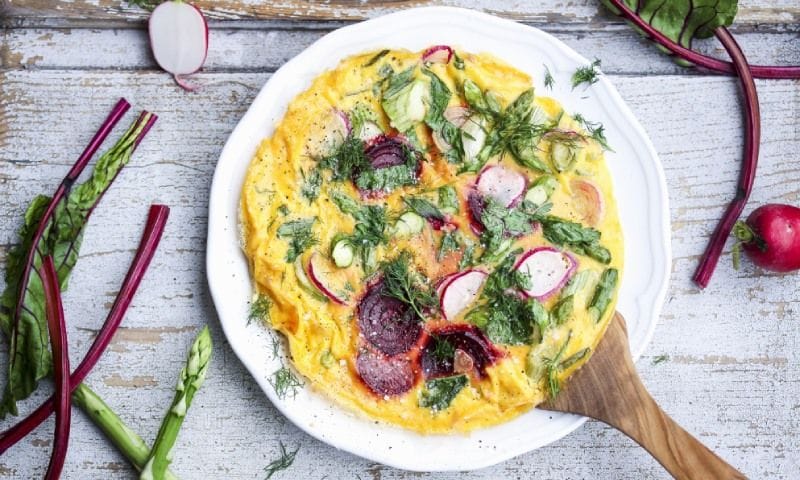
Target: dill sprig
285	382
595	130
404	284
259	309
549	81
312	182
300	237
660	359
283	462
588	74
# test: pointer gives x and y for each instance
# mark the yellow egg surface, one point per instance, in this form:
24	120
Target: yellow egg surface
438	243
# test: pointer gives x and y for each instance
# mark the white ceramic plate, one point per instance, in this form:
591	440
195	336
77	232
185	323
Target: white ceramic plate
639	185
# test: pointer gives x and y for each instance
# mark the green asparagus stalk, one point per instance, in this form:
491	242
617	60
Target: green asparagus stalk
191	379
128	442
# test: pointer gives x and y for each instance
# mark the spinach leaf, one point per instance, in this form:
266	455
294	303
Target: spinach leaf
424	208
439	98
22	309
440	392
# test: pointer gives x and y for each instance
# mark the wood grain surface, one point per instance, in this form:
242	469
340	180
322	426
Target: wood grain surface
607	388
731	364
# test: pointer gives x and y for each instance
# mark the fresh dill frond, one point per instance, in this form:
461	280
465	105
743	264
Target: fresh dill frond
405	284
259	309
660	359
311	184
283	462
549	81
595	131
588	74
300	237
443	350
285	382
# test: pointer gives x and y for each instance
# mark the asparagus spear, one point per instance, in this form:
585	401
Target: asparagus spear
192	377
128	442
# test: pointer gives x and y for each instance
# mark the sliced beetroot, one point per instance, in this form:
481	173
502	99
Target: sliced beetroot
386	323
460	292
549	269
475	206
385	375
385	151
438	54
469	340
502	184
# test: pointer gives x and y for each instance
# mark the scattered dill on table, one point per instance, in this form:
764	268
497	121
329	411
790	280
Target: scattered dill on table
283	462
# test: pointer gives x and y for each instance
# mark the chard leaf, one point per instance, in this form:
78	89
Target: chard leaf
64	217
682	20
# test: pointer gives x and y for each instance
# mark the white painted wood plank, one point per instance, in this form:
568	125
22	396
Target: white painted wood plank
732	377
621	50
751	12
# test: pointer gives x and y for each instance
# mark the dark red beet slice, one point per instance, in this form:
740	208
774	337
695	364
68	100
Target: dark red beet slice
467	338
386	323
385	151
385	375
475	207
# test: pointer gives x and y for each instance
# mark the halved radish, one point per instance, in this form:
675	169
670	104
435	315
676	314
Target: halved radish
588	201
179	39
328	135
460	292
320	278
438	54
548	269
502	184
473	137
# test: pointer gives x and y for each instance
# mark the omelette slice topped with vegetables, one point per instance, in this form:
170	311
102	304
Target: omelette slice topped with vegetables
438	242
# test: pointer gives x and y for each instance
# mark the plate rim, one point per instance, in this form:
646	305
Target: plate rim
218	214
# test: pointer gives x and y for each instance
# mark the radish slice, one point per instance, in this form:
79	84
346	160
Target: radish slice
502	184
473	136
369	130
316	273
588	201
327	137
179	39
549	270
457	115
438	54
460	292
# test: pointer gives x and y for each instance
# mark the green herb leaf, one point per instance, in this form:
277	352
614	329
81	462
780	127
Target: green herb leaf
406	285
549	81
284	461
348	159
588	74
580	239
553	368
448	198
285	383
439	98
311	185
259	309
660	359
439	393
300	237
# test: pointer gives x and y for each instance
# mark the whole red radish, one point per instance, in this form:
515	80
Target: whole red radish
771	237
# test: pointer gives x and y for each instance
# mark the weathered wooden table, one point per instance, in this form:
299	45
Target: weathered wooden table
733	371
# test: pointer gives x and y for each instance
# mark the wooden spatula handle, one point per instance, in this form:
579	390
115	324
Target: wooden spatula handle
678	451
608	389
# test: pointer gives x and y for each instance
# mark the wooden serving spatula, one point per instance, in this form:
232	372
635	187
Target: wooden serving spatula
608	389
